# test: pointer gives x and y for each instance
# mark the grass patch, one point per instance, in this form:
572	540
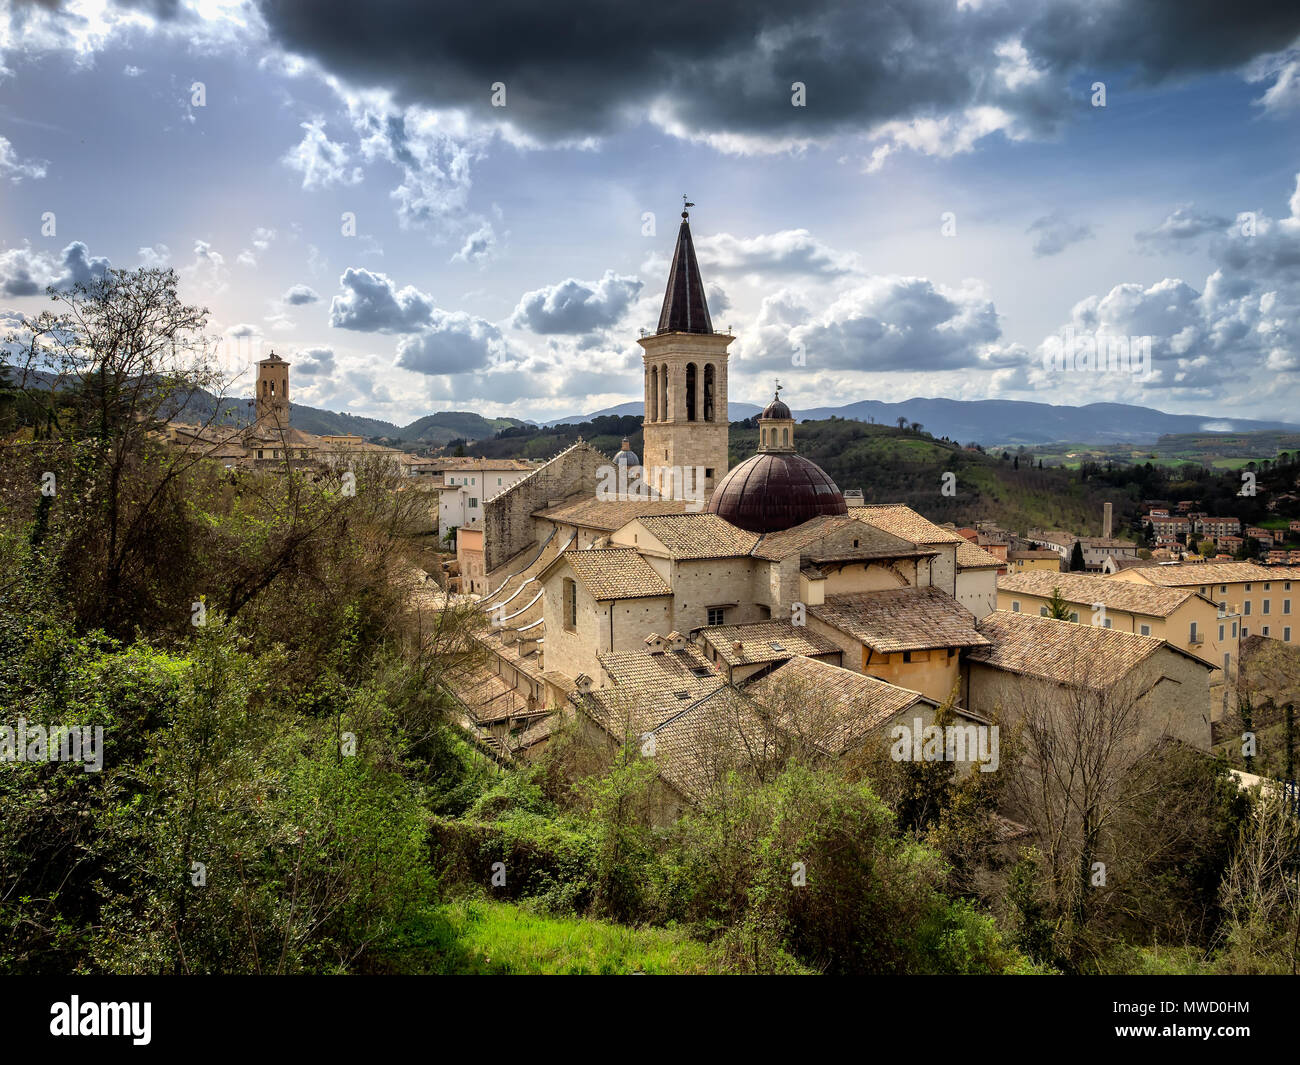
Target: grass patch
500	938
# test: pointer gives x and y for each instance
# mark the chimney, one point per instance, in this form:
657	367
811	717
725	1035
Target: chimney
1107	520
583	683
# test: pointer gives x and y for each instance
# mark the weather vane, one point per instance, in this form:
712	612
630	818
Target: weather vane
686	204
778	388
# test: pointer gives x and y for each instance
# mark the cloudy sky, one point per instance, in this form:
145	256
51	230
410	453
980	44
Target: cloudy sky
429	206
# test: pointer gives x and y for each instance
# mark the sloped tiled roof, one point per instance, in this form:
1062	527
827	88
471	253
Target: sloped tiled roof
1088	589
667	671
615	573
1064	651
758	642
901	619
592	513
1129	563
838	707
689	536
969	556
902	520
1198	573
872	542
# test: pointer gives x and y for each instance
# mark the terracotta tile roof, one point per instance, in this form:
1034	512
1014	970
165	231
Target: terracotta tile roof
901	619
1199	573
758	642
615	573
872	542
902	520
670	671
699	535
1064	651
1128	563
592	513
1086	589
971	557
833	707
696	749
776	546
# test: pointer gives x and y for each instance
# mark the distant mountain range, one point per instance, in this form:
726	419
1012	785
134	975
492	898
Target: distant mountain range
1007	422
994	423
440	428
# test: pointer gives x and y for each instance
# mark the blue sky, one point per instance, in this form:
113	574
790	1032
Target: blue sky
502	261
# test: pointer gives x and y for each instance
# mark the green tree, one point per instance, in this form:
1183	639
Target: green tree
1057	607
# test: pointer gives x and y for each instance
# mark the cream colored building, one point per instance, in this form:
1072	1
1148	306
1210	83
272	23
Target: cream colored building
1264	598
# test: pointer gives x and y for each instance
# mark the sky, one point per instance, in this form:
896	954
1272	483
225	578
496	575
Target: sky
428	206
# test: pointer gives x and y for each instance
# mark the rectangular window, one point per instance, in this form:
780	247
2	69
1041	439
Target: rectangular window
1015	606
1192	637
570	605
1246	609
498	482
1286	635
1267	604
1145	630
1265	631
1227	659
1286	606
1221	633
473	502
1234	630
717	615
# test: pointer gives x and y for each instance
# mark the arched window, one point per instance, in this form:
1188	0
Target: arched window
709	390
762	438
785	437
663	392
691	374
652	396
570	604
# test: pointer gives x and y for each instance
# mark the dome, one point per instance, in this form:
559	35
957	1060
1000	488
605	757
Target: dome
626	457
772	491
776	409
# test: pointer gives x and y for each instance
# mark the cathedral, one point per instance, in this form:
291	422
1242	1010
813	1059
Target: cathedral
675	612
767	564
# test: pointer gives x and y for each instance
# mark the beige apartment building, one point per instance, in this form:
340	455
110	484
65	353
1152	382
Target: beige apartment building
1264	600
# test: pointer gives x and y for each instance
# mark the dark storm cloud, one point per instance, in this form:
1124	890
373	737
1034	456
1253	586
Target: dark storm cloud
578	68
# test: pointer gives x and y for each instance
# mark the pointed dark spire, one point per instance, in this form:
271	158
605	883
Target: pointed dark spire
685	309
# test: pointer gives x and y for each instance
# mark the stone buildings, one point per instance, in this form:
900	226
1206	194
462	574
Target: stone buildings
660	602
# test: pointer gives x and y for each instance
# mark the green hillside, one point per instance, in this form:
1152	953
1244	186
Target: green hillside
449	425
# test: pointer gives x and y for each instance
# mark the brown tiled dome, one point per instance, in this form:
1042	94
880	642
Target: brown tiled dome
772	491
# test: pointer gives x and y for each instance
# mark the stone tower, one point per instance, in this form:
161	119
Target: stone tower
685	423
272	393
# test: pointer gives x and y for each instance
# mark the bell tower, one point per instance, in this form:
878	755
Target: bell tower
272	393
685	424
